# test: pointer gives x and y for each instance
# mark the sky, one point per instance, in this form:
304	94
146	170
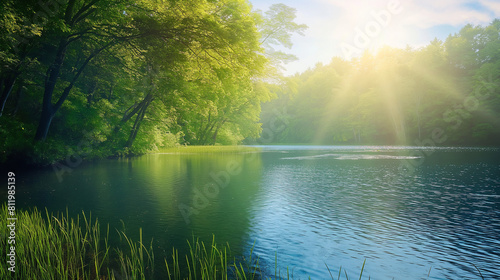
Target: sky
346	28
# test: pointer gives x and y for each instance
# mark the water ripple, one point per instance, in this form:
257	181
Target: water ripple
445	216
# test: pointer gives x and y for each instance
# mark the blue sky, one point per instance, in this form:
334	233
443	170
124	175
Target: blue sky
345	28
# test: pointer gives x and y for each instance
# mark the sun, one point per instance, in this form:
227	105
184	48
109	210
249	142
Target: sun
396	36
373	28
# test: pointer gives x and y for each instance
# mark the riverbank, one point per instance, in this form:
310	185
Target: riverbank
42	245
207	149
57	246
43	155
51	154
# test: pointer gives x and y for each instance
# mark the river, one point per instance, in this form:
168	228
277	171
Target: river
405	210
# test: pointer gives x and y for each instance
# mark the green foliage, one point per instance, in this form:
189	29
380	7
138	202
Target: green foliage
276	27
131	77
135	77
447	92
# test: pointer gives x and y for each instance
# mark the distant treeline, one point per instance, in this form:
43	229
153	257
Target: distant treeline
446	93
99	78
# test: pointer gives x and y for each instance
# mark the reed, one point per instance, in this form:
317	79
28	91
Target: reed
202	262
58	247
55	246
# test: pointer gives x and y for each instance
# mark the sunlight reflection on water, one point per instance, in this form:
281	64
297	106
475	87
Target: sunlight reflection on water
322	210
310	206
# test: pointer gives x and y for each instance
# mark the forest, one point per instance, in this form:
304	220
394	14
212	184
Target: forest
130	127
117	78
446	93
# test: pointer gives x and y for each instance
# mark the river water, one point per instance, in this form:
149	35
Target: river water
410	212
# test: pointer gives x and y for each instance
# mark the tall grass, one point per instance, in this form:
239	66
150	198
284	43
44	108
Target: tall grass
214	262
49	246
206	262
55	246
58	247
139	262
202	262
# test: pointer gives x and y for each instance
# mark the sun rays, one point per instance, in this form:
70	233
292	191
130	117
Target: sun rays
396	95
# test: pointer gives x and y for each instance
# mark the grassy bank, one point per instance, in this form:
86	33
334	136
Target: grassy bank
56	246
207	149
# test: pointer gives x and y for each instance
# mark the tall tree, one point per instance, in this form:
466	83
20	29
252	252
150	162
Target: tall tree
277	26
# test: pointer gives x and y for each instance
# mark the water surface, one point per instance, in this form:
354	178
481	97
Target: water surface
406	210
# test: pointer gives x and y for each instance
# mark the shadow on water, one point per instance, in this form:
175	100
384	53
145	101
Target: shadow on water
150	192
309	205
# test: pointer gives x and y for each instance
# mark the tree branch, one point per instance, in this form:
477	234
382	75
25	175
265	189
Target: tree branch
80	70
78	16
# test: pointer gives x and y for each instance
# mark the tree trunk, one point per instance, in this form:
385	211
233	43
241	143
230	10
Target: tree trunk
131	111
202	135
48	109
44	123
135	128
6	87
138	120
18	97
50	83
214	137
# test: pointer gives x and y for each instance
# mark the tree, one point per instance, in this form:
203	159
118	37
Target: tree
276	27
93	26
18	37
223	46
401	96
